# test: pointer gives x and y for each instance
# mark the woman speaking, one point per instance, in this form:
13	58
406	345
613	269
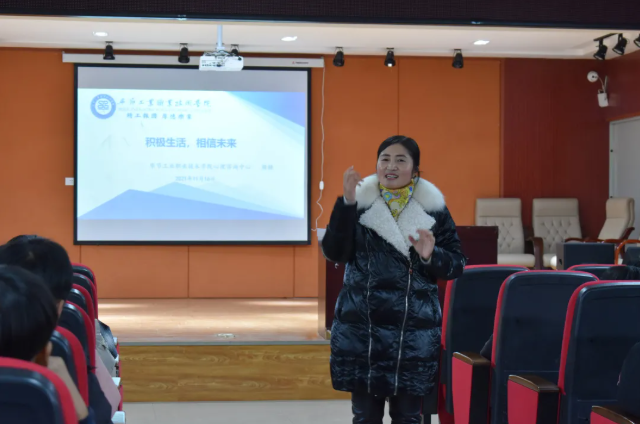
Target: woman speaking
397	237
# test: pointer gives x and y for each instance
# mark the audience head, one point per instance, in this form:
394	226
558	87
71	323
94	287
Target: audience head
28	315
630	272
43	257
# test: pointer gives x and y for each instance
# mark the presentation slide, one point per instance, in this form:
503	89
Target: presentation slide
176	155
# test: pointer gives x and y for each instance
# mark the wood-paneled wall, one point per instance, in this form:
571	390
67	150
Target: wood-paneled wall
555	140
453	114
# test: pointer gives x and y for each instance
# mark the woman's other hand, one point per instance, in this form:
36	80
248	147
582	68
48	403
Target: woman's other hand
425	244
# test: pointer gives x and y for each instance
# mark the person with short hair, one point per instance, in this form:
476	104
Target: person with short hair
43	257
28	318
50	261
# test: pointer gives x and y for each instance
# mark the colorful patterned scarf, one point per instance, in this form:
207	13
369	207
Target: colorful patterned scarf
397	198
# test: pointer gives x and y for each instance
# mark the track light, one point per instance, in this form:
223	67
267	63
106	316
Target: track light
458	60
338	60
184	54
637	41
108	52
621	45
390	60
601	54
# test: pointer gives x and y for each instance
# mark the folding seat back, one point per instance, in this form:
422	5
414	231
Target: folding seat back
602	327
33	394
60	347
469	313
78	299
71	319
84	270
85	297
89	328
595	269
88	285
79	361
528	330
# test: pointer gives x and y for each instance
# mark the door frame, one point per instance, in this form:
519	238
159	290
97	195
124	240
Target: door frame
612	154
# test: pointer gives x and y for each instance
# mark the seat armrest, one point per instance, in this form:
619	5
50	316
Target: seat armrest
472	358
627	233
535	245
532	400
611	415
470	378
621	249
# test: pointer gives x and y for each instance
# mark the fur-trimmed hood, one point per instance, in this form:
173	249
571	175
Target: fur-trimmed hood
426	201
427	194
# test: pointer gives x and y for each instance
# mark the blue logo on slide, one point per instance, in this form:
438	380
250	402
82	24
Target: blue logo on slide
103	106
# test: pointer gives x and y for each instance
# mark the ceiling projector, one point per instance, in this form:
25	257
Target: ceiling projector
221	61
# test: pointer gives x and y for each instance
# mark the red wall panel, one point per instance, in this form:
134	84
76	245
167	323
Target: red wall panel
555	139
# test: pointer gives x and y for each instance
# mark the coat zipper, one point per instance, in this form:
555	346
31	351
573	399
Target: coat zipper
404	322
369	317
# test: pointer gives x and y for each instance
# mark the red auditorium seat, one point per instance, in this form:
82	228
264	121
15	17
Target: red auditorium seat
91	334
79	361
627	409
33	394
84	270
73	320
601	327
595	269
528	325
88	302
468	315
88	285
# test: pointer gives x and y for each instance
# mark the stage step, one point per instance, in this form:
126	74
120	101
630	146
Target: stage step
179	373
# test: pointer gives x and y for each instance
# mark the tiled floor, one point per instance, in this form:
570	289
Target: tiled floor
290	412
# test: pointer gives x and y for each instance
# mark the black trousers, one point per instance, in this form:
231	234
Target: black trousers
369	409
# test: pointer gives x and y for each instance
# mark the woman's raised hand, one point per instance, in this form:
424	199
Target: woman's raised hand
351	180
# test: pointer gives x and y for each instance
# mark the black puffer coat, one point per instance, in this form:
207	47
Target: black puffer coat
385	338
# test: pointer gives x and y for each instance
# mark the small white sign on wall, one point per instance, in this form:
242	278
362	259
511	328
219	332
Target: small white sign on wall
69	181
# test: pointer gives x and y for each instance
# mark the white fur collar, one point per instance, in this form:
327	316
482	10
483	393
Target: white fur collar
426	198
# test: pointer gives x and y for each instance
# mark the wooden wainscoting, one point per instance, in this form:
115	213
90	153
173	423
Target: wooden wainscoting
170	373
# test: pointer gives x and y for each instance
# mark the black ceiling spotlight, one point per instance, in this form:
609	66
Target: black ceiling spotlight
184	54
637	41
458	60
620	45
390	60
601	53
108	52
338	60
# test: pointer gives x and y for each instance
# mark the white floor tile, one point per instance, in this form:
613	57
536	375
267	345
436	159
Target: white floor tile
294	412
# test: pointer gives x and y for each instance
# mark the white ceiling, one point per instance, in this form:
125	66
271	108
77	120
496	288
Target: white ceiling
146	34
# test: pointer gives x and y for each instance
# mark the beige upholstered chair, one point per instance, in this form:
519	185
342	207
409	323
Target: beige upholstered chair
619	223
506	214
555	221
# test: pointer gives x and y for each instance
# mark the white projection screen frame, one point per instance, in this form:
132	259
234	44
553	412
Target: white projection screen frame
175	156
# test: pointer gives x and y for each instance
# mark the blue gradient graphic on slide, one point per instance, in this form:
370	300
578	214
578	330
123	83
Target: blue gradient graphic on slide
187	155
